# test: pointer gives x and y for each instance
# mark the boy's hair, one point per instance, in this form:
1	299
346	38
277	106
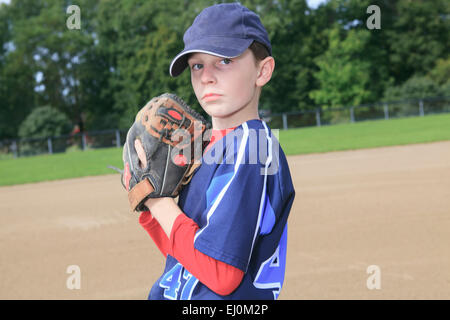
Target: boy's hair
259	51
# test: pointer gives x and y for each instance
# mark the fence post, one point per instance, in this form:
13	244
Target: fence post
285	124
83	141
386	111
117	138
49	145
352	115
421	112
318	117
14	148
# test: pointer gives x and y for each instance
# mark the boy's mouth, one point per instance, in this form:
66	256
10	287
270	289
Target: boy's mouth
211	96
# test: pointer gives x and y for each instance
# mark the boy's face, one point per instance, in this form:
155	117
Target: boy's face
225	87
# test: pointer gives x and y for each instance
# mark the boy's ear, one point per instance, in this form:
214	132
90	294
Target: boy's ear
266	68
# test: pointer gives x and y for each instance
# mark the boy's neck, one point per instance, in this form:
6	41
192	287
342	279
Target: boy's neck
230	122
249	112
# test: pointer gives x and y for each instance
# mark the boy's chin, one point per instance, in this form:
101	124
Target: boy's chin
219	115
216	111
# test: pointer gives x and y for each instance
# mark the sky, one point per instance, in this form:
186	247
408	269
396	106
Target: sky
314	3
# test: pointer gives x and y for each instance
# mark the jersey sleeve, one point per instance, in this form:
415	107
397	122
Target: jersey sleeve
235	199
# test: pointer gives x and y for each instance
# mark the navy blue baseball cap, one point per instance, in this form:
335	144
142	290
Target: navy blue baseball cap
225	30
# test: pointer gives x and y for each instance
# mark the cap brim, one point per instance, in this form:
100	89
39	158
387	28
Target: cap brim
217	46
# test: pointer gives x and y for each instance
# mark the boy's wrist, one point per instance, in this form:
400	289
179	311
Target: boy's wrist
152	202
165	210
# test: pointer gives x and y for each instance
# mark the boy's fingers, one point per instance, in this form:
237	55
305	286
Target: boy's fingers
141	153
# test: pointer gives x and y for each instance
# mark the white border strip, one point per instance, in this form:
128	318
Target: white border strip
263	195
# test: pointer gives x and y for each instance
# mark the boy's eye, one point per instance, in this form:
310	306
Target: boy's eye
225	61
196	66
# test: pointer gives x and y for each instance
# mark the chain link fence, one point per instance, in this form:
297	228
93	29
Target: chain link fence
14	148
81	141
352	114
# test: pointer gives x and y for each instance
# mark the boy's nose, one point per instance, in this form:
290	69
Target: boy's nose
207	75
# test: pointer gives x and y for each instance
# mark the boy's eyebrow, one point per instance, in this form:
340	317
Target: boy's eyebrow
198	58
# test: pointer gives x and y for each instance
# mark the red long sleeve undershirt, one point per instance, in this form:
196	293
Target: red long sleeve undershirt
219	276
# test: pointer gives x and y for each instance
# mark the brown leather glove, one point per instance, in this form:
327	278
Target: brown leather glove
172	136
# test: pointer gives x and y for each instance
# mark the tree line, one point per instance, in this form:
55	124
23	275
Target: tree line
100	75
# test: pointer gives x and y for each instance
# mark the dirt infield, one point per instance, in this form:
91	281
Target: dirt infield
388	207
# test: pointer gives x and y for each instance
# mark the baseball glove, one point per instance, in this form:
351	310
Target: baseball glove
172	136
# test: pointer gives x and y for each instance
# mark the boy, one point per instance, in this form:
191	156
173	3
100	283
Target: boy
227	236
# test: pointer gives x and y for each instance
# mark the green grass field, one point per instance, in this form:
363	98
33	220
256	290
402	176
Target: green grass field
360	135
367	134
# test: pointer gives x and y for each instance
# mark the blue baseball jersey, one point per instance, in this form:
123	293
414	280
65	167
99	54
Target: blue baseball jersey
240	197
